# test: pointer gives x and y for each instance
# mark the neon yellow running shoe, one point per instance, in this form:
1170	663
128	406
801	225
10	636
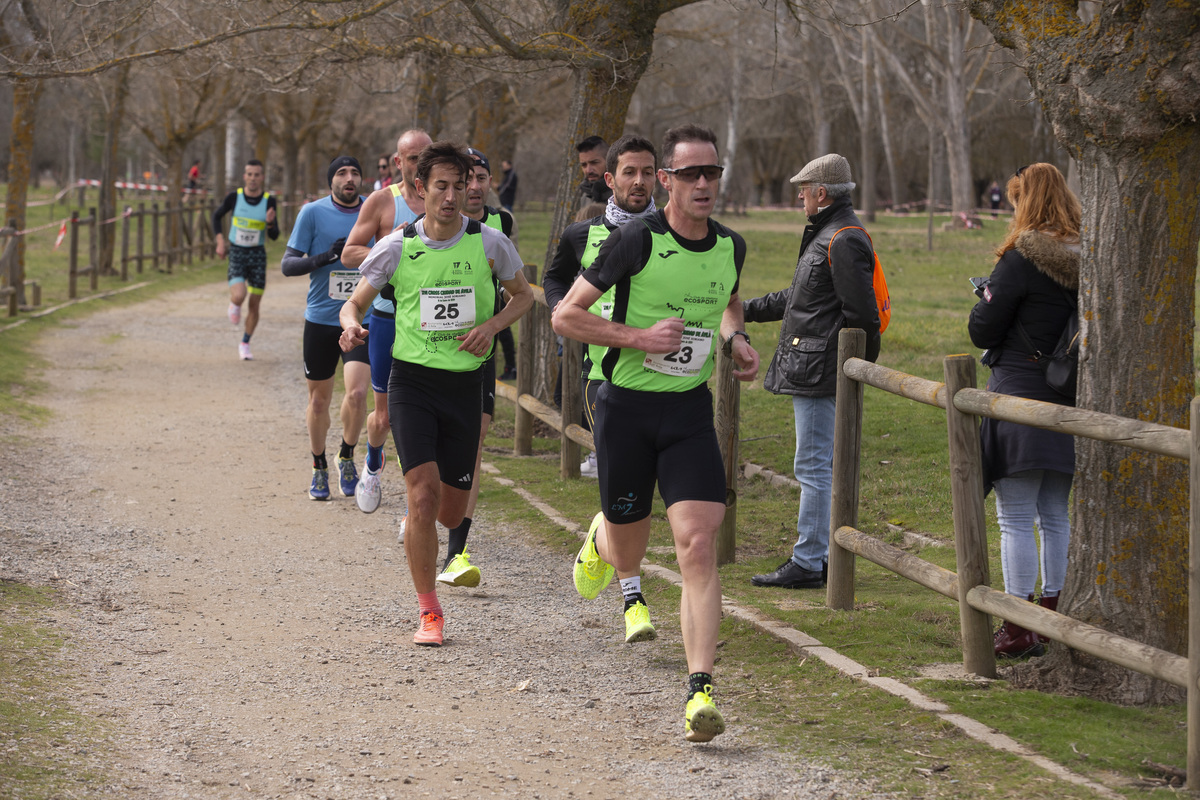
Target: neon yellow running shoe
702	721
638	627
592	573
460	572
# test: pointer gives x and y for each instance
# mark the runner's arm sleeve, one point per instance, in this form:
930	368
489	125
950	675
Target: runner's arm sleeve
219	214
273	228
296	263
563	269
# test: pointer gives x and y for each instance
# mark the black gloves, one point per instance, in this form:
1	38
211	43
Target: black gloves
334	252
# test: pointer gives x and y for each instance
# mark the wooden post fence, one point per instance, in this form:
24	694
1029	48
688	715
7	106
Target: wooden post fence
847	445
969	586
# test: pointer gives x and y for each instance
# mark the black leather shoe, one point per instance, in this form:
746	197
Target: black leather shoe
790	575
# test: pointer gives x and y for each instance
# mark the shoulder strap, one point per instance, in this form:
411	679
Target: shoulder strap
1033	351
848	227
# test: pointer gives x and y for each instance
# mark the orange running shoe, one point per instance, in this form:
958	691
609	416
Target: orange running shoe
430	632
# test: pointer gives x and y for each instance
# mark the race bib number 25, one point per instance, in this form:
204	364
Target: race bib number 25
448	309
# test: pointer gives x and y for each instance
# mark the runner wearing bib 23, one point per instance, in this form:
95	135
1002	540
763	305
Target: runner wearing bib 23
675	280
440	273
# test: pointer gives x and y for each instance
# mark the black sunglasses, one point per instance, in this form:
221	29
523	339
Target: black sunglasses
1020	170
711	172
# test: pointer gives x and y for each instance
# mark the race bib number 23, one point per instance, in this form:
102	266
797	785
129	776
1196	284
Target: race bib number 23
689	359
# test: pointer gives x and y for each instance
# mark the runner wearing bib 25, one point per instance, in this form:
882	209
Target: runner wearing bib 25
440	273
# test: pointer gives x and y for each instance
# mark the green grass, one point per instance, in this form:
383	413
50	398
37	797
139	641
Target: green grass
45	745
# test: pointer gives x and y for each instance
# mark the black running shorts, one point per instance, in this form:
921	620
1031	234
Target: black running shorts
488	387
435	417
322	351
642	437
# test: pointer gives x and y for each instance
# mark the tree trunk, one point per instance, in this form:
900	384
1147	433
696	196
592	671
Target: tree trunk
885	136
25	100
1129	546
1123	96
108	169
174	158
866	167
219	163
431	93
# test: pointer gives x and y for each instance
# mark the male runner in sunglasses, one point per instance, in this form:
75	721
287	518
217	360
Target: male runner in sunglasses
676	300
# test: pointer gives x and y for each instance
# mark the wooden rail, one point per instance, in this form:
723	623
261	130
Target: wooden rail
964	404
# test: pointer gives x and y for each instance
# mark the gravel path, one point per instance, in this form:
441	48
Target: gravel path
249	642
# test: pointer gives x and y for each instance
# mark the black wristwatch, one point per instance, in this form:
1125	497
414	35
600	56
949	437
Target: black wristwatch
727	348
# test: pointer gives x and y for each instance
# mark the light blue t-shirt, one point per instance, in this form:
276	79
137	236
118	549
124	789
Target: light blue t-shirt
319	224
402	214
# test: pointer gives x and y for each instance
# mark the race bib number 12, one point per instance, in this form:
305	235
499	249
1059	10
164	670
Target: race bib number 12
342	283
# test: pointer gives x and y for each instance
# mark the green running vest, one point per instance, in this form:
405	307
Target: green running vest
440	295
602	307
680	283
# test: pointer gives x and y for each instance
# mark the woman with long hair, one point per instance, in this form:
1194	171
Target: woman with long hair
1023	309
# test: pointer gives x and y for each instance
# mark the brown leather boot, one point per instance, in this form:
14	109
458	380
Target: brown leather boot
1050	603
1013	641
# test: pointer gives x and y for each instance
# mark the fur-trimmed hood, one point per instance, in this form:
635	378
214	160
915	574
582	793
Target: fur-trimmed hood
1054	258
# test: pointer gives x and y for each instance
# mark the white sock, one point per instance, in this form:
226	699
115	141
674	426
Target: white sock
631	587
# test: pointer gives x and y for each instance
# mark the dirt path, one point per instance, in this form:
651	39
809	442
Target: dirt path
249	642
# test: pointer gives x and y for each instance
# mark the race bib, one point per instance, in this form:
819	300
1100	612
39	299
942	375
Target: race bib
245	238
342	283
448	309
689	359
606	309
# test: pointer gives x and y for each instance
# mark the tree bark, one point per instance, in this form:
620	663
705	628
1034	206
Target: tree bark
107	210
1123	96
25	100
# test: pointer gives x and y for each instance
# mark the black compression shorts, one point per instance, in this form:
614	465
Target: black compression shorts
435	417
488	389
642	437
322	351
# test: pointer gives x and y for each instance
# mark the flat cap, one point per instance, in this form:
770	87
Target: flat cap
829	169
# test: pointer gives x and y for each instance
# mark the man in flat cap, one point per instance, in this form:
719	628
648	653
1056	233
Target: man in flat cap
832	289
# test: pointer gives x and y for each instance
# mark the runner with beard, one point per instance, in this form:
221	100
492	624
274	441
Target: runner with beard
315	250
632	162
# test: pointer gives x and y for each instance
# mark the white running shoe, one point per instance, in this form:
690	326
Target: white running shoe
369	492
403	525
235	313
588	468
244	351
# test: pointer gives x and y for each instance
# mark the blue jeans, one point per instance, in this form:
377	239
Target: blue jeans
1036	497
814	470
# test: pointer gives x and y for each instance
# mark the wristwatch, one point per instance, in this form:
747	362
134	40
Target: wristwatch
727	348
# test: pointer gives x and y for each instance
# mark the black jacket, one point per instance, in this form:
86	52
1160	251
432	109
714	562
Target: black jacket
820	302
1035	283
